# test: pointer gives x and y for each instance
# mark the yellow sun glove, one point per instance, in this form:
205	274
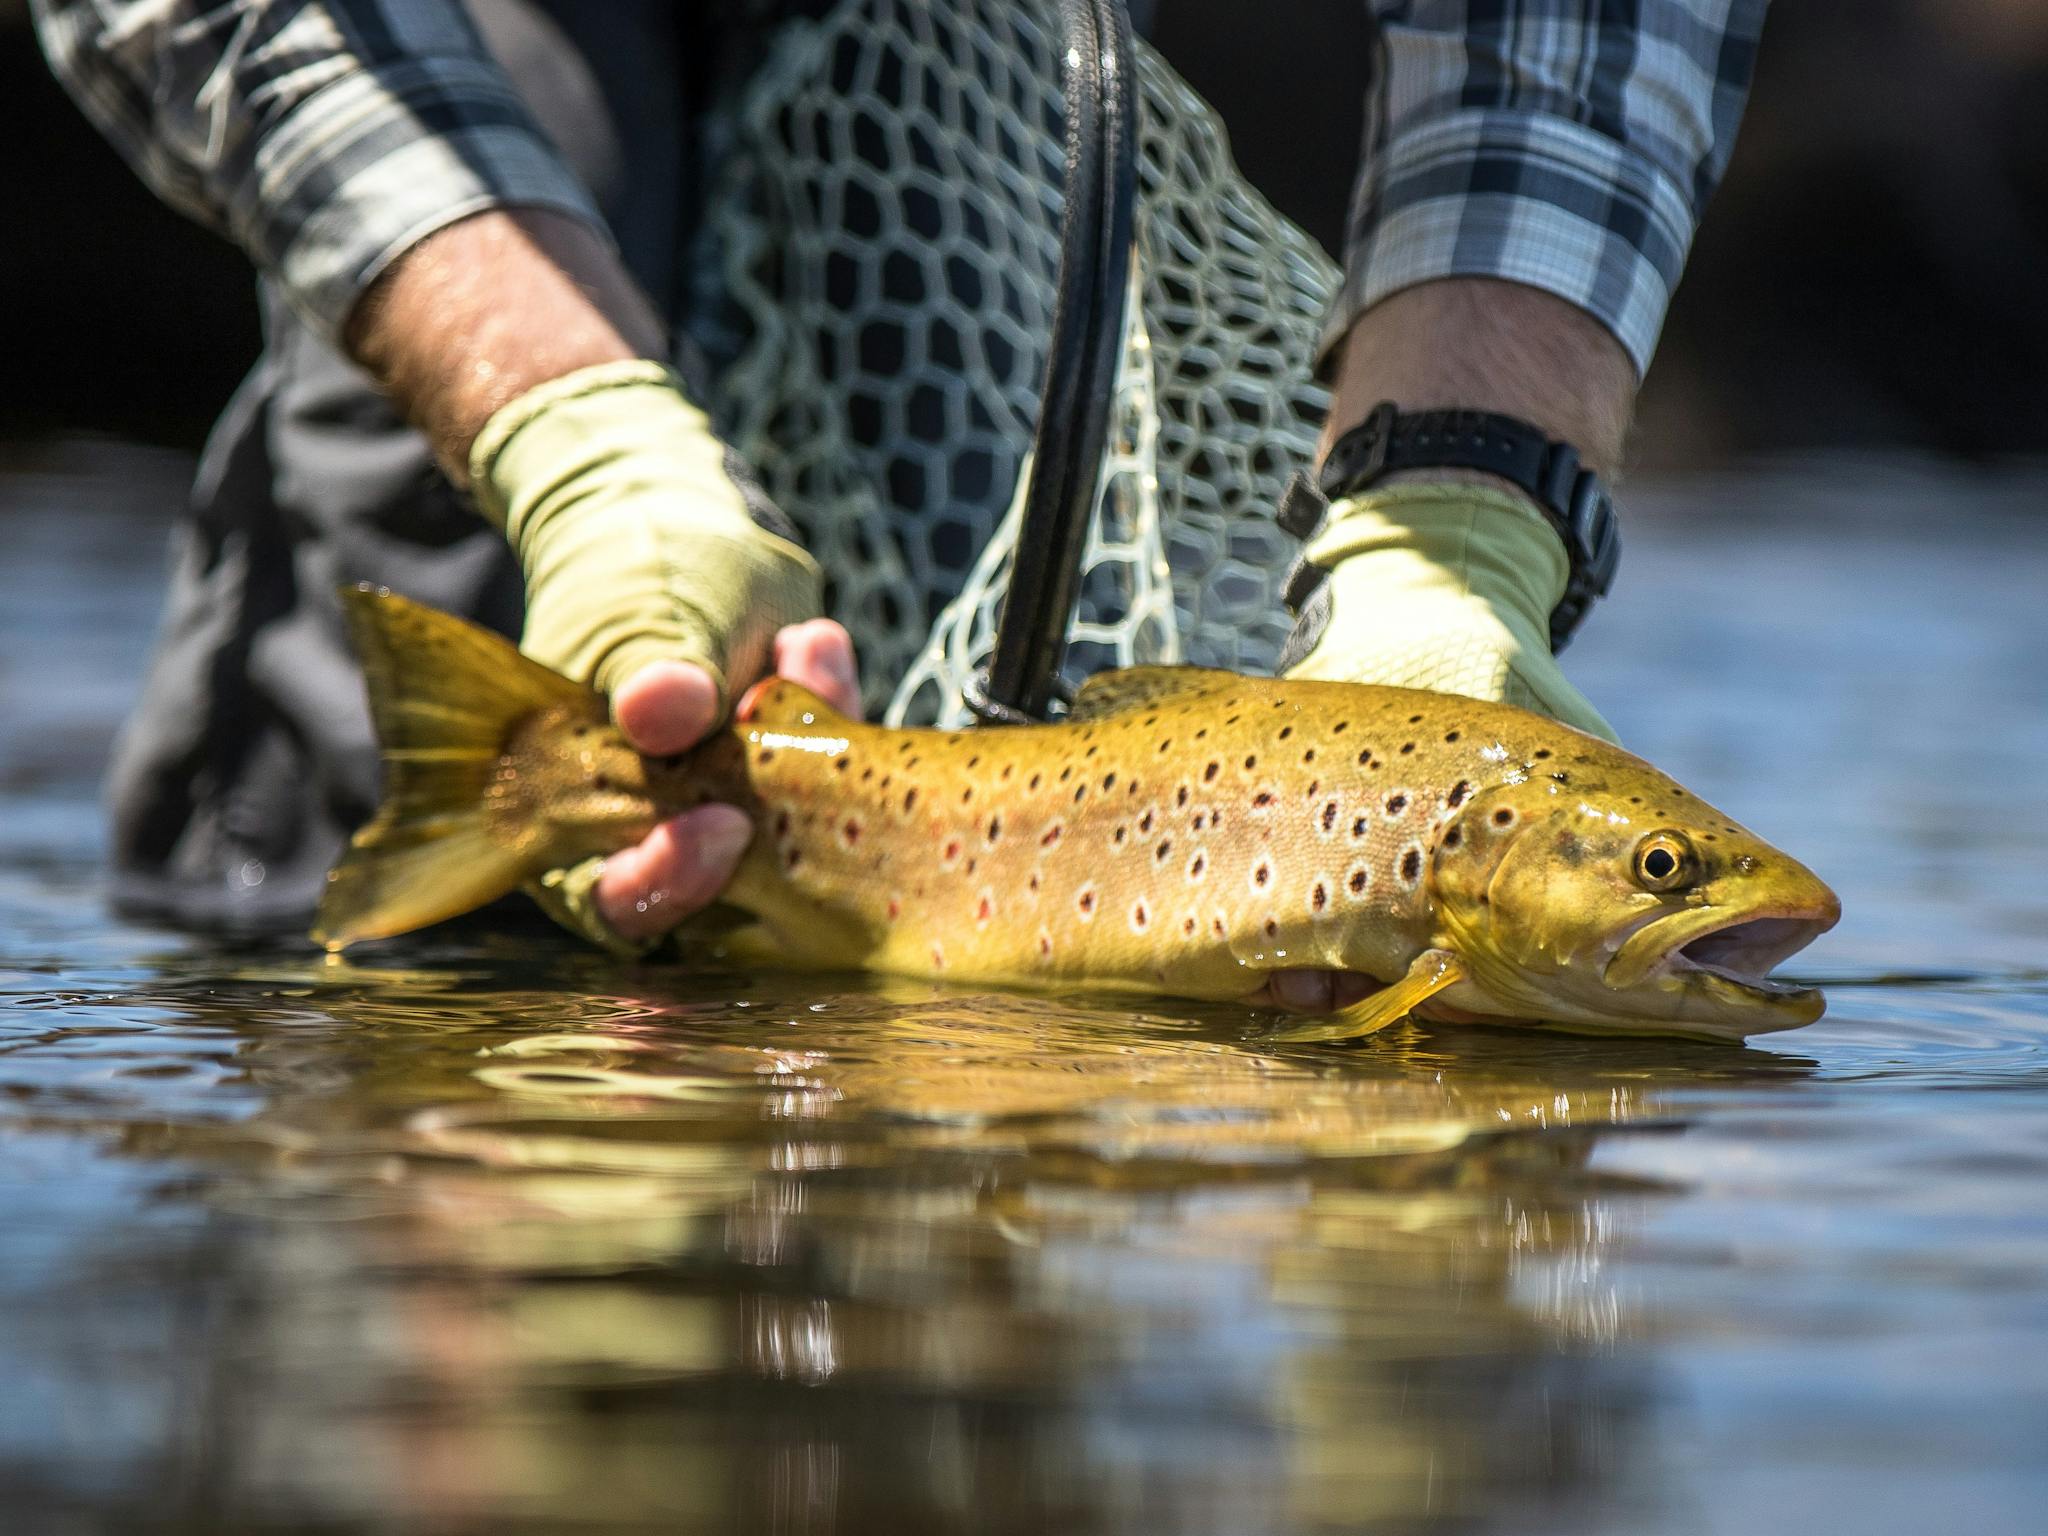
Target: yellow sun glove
637	545
1446	586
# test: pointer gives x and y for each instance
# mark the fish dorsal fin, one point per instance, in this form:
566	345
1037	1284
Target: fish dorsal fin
1127	688
778	701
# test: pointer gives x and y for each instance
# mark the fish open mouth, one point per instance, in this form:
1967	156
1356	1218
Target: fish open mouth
1728	950
1745	952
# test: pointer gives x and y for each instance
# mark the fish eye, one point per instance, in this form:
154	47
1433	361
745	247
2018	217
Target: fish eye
1665	861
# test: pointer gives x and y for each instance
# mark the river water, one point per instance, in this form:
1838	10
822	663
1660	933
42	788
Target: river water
486	1233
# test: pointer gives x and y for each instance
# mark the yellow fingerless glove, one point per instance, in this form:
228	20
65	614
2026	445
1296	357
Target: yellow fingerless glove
637	545
1449	587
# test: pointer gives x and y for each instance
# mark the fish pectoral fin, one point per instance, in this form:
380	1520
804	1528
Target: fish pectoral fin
1432	971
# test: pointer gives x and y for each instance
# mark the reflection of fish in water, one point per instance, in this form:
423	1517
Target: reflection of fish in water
1183	832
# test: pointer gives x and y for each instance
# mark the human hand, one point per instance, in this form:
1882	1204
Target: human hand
1446	586
648	576
632	898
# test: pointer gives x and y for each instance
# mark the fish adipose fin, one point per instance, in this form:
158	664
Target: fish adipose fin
1126	688
446	696
778	701
1433	970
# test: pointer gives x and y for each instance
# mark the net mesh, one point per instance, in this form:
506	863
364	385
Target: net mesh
882	259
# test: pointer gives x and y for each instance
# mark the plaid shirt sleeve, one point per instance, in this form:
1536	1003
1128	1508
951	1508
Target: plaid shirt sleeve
1563	144
324	136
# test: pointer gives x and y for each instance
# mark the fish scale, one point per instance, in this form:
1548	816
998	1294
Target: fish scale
1184	832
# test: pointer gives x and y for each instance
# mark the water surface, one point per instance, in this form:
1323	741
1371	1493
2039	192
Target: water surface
483	1232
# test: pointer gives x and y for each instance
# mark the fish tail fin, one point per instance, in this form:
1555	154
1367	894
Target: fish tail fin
446	697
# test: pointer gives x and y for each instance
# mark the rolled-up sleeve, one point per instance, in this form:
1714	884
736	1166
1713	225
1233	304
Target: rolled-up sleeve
324	138
1568	146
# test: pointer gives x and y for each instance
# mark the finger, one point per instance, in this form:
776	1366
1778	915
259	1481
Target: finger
819	654
677	868
666	706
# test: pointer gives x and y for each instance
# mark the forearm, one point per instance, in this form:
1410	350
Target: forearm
484	309
1483	344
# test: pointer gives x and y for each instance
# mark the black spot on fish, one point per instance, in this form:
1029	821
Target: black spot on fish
1261	800
765	755
966	795
1188	927
1262	874
1319	898
1407	746
1272	928
1209	772
975	761
1309	756
1251	761
995	829
1066	773
600	781
1330	816
1109	781
909	800
1196	865
1503	817
1159	854
1036	780
1180	796
1542	753
1357	882
1358	827
1450	735
1286	731
1396	804
1145	822
1411	865
842	763
1453	837
1080	793
1458	793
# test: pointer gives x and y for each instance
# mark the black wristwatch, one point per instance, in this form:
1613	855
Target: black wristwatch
1569	495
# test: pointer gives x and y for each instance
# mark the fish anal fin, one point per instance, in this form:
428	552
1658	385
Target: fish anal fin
1128	688
1432	971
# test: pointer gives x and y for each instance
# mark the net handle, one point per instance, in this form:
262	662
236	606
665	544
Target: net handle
1099	86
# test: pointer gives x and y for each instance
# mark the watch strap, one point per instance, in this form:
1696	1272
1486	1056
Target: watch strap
1570	496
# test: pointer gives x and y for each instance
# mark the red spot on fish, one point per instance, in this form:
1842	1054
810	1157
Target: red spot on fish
952	851
1052	835
984	910
895	909
851	830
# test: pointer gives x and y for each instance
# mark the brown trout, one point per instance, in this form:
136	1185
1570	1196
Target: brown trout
1182	832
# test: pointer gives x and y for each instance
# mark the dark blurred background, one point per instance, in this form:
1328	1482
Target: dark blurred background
1873	275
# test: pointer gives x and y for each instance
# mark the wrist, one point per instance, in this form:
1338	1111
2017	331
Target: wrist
488	307
1472	343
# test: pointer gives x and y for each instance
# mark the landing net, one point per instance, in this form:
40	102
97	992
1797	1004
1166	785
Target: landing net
883	253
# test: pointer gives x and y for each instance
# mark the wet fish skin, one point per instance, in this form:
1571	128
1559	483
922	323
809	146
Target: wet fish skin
1185	832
